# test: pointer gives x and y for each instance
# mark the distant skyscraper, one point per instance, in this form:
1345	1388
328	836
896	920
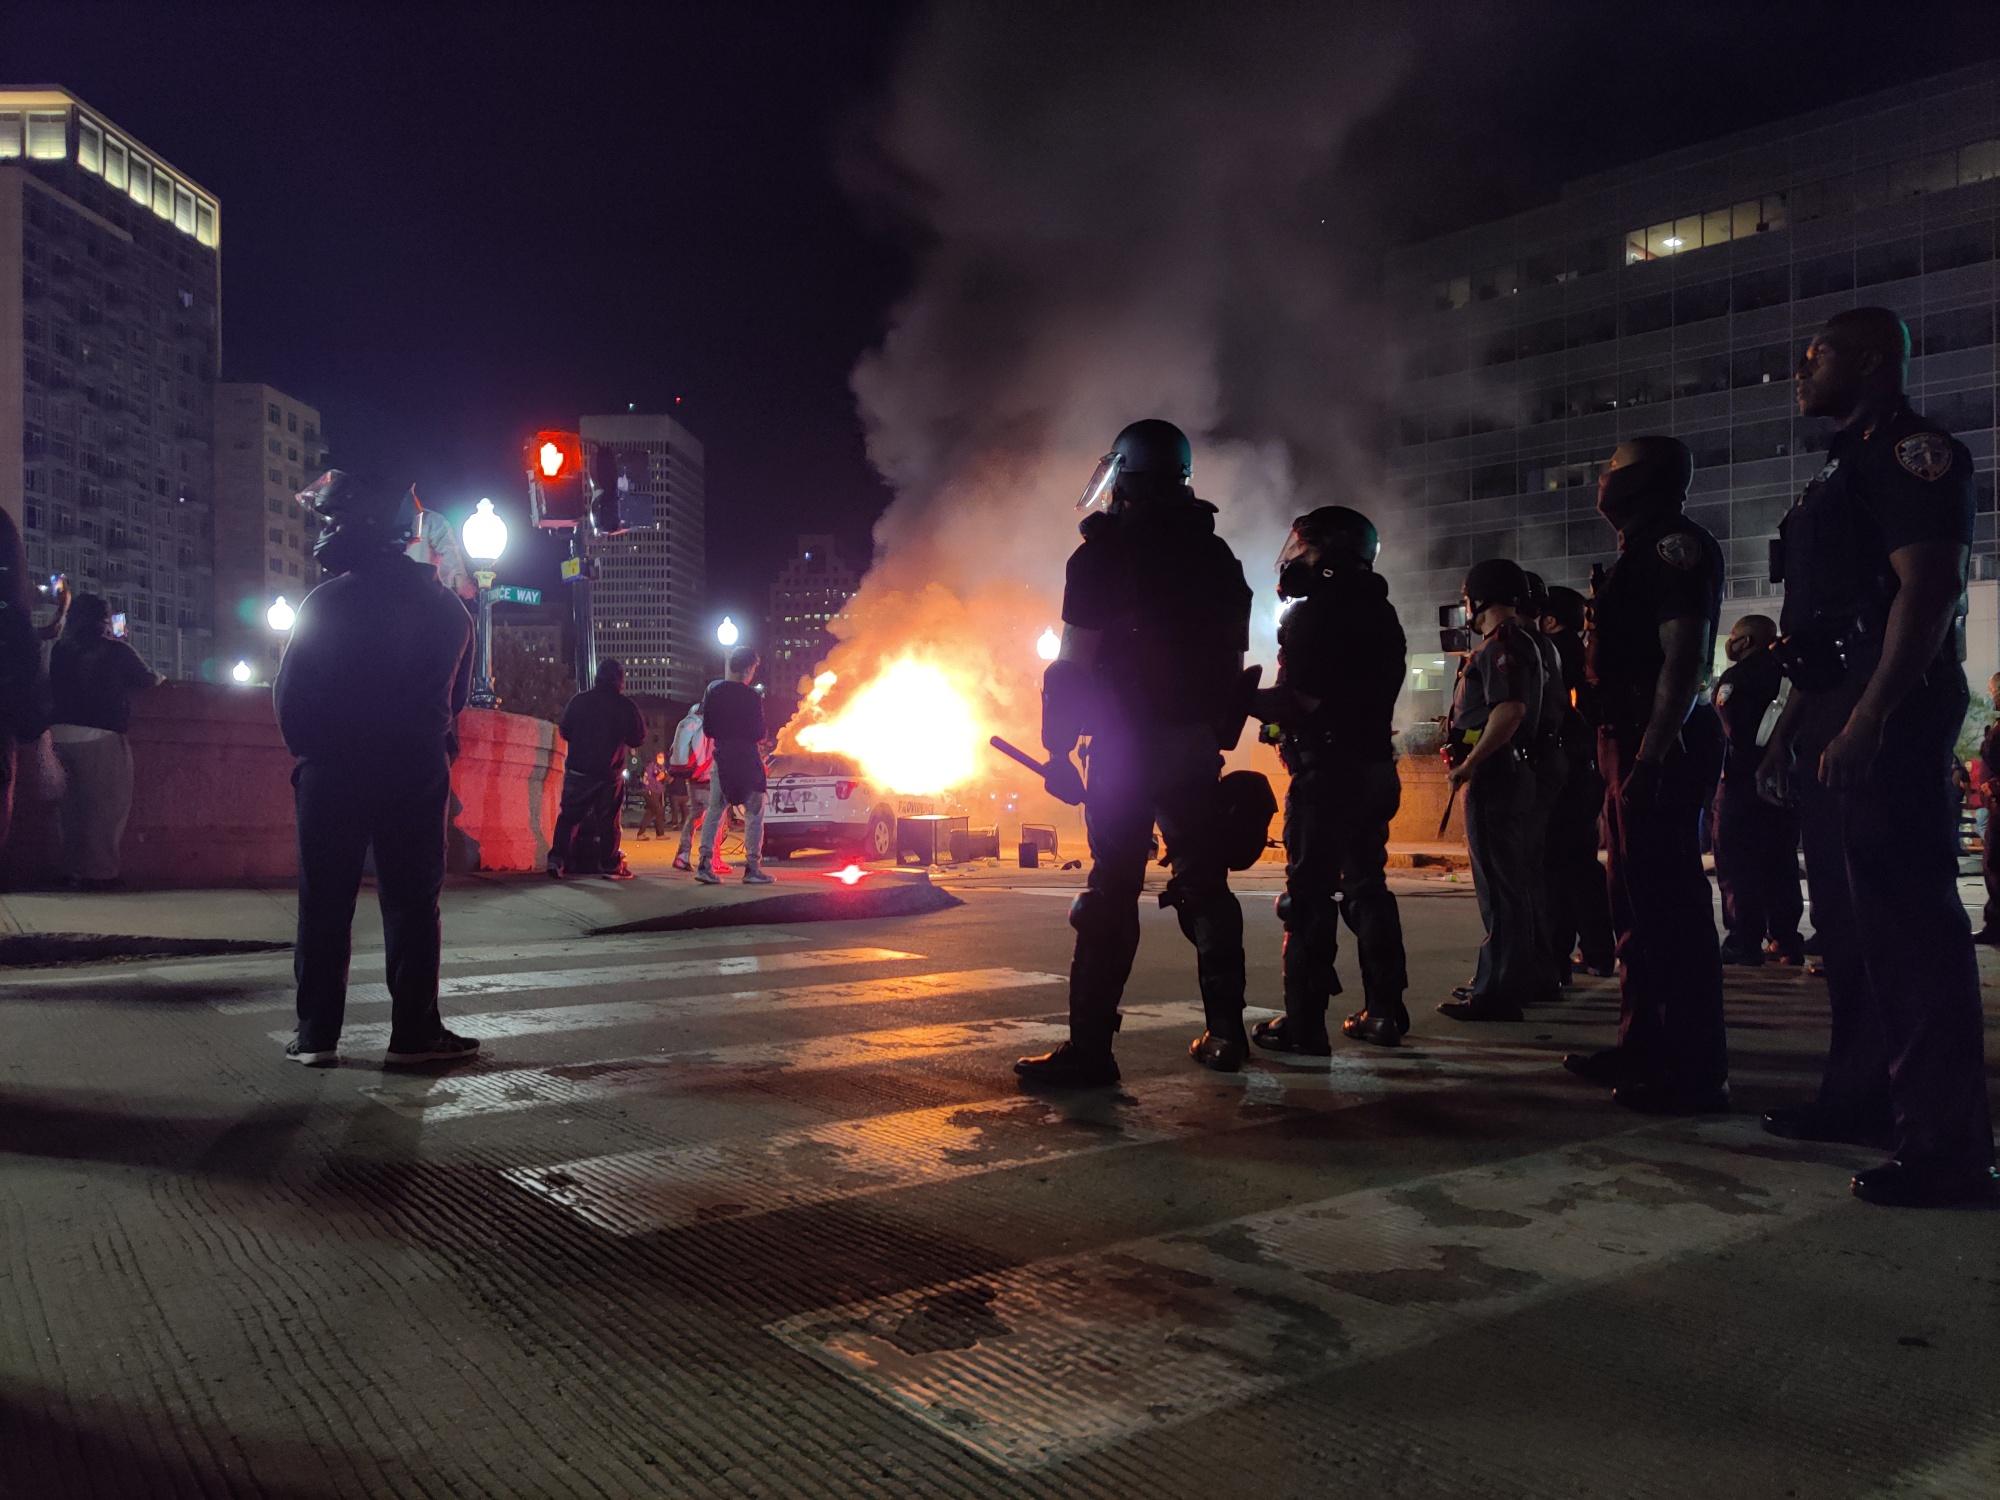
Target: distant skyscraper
110	278
807	598
268	447
646	603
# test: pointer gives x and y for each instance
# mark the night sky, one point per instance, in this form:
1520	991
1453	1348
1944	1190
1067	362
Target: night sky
445	226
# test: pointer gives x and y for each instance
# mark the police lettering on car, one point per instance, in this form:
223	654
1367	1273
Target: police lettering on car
1873	558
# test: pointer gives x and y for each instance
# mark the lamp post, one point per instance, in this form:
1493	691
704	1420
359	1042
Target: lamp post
240	674
485	538
726	636
1048	645
281	616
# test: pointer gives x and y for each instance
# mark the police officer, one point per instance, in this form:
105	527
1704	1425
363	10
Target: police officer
1156	619
1756	842
1873	558
1579	905
1659	749
1496	713
1340	667
1551	767
378	665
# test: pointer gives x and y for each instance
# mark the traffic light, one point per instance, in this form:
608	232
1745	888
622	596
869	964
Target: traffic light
554	462
606	482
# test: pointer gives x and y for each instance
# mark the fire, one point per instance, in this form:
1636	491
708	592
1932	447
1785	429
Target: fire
913	727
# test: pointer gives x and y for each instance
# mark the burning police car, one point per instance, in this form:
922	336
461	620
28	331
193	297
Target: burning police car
822	801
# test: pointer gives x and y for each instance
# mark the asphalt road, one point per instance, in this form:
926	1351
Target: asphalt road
761	1212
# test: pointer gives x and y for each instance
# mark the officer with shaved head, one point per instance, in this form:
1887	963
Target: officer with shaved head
1873	558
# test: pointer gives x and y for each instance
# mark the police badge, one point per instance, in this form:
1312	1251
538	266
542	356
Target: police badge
1925	454
1678	550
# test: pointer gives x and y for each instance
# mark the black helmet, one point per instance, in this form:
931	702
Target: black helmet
1568	607
1153	448
1538	595
358	515
1341	534
1498	580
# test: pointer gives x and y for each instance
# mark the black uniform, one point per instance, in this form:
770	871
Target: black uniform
1989	854
377	668
598	726
1579	903
1546	759
1343	646
1670	1031
1501	803
1168	597
1881	861
1756	842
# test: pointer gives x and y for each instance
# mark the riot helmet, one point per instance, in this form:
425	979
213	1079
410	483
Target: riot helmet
1147	460
1321	543
358	517
1568	608
1498	580
1537	603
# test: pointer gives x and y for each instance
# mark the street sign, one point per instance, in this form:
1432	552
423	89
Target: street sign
572	569
511	593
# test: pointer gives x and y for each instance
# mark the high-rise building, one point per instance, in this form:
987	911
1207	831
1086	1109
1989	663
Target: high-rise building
268	447
1675	296
646	601
110	285
808	596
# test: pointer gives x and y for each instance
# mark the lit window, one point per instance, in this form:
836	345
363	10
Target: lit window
10	136
1688	232
163	194
48	136
183	209
1715	227
204	221
1746	219
141	184
114	162
89	145
1976	162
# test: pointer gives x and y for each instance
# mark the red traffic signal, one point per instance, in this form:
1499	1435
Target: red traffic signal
554	461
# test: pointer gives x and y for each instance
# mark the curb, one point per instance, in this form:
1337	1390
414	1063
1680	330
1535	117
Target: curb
43	949
900	899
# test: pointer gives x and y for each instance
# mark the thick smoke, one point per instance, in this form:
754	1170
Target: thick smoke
1127	214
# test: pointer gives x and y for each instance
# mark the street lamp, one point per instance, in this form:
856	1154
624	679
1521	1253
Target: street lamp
485	538
281	616
1048	645
726	634
240	674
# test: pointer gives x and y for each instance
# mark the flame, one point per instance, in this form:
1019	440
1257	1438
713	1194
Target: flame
913	727
822	684
851	875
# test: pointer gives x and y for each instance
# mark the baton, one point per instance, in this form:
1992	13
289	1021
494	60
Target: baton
1445	821
1016	753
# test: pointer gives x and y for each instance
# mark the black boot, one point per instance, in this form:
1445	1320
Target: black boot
1071	1066
1284	1034
1384	1023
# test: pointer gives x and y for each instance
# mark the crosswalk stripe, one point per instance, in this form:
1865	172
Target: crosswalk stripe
1062	1356
559	1018
493	955
640	1192
465	986
475	1094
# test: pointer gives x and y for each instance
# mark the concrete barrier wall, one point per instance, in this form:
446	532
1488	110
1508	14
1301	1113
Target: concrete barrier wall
212	794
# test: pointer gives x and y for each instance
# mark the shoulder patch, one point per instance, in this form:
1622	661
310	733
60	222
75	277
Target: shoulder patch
1925	454
1679	550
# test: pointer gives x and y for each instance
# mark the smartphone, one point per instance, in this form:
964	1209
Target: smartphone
118	624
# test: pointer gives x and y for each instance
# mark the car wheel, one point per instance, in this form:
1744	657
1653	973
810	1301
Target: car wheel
880	840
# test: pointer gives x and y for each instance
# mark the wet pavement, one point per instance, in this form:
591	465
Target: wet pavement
761	1211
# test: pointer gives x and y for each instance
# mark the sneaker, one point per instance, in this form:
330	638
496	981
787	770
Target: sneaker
724	869
623	872
555	870
758	877
681	862
311	1057
446	1046
707	876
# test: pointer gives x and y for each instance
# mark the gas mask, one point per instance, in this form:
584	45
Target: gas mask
1298	574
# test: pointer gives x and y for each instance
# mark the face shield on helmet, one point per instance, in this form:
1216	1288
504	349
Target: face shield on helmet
1103	479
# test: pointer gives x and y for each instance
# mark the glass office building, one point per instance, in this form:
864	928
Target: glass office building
1675	295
